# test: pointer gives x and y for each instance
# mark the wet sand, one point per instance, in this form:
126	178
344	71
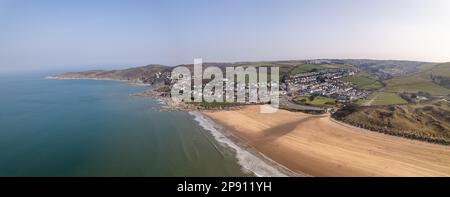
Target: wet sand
319	146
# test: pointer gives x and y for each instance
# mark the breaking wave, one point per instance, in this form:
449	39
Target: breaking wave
247	160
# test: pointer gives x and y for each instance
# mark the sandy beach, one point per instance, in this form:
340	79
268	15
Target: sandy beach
319	146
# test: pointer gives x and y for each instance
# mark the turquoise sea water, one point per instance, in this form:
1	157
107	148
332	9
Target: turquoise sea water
97	128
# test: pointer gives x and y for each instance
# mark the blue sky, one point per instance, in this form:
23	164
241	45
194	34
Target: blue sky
40	35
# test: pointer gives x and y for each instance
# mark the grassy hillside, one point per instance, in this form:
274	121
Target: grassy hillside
284	66
421	81
364	81
426	121
144	74
304	68
384	69
441	75
441	69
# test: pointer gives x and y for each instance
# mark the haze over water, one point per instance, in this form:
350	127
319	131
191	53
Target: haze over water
96	128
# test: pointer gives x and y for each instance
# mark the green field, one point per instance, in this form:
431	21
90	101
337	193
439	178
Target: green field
382	98
304	68
426	66
364	81
284	69
420	81
317	101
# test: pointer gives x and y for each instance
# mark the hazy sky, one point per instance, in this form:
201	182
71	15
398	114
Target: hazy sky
94	34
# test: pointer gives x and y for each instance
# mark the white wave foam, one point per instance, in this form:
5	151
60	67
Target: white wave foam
247	160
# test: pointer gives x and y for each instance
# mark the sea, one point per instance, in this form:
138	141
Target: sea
91	128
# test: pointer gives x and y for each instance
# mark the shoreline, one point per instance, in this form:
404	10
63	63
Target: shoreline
318	146
249	158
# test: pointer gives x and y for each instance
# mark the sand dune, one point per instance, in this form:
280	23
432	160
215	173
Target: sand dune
319	146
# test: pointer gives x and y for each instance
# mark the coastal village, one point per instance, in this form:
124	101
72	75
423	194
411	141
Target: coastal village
325	83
